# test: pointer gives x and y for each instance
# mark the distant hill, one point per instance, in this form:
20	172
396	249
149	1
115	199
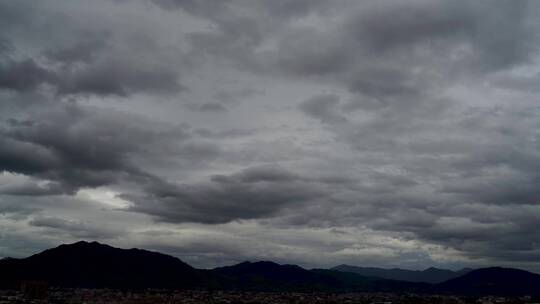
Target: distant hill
271	276
352	282
431	275
86	264
495	281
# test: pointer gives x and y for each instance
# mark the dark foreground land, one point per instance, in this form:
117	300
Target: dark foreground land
111	296
95	273
98	266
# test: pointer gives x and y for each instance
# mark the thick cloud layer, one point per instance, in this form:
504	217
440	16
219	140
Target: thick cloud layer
383	133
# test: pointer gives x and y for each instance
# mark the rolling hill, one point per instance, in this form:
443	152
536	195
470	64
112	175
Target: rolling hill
431	275
494	281
85	264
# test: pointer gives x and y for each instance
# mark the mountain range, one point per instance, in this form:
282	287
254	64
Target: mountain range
95	265
430	275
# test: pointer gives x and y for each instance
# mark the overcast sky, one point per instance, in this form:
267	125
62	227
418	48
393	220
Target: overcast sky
373	133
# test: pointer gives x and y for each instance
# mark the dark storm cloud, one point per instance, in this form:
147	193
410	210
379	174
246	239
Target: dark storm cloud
102	77
24	75
392	24
211	107
25	157
117	77
239	28
253	193
383	51
32	188
17	212
441	26
496	240
323	107
79	59
75	147
222	134
83	51
428	25
225	10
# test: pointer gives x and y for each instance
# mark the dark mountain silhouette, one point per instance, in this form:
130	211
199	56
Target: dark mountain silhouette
86	264
96	265
430	275
271	276
494	281
351	282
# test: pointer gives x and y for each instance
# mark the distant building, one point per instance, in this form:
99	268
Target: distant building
34	290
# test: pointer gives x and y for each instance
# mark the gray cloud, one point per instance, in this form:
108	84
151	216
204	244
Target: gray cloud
74	147
252	193
111	76
80	59
323	107
32	188
210	107
115	76
84	51
24	75
75	229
